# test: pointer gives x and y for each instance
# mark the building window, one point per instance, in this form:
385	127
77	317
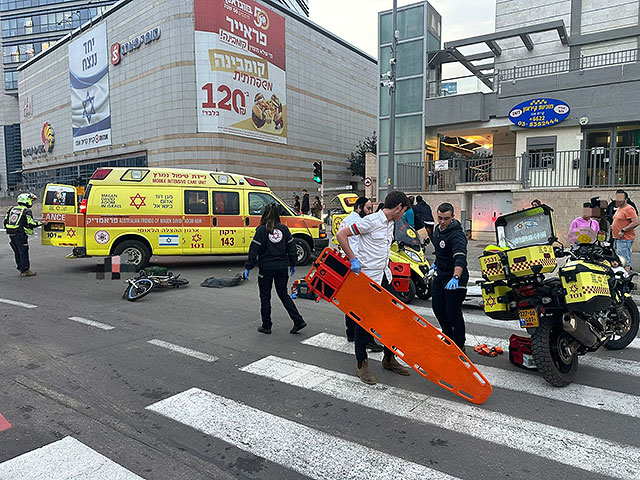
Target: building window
11	80
13	154
541	152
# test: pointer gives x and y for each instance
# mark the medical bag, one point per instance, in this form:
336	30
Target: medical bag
520	352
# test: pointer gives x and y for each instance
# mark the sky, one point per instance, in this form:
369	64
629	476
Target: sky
356	20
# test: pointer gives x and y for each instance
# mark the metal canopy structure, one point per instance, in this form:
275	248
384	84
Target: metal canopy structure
450	53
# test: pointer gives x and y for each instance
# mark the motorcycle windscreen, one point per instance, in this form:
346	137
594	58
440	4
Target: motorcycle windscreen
533	226
60	216
406	234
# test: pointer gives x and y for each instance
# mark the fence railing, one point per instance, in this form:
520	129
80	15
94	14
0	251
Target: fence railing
566	65
588	168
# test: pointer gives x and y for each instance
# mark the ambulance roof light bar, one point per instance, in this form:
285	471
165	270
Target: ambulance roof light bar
101	173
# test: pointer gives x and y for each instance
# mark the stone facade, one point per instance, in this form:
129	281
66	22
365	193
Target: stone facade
331	102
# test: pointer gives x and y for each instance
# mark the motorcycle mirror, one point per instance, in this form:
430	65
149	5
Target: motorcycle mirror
401	245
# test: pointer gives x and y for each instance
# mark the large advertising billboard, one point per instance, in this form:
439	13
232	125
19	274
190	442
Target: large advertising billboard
240	69
89	77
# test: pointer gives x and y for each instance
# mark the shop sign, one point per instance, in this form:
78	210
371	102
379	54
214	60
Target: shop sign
48	138
441	165
240	69
117	50
539	113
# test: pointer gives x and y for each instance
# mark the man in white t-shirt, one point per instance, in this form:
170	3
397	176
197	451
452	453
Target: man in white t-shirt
361	209
376	235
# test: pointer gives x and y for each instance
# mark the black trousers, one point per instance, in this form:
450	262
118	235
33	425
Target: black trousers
363	337
279	277
351	327
447	307
20	245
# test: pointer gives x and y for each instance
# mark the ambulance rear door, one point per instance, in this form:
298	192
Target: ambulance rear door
60	217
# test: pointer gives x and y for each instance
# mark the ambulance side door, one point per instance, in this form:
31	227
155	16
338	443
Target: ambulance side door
60	216
227	227
196	222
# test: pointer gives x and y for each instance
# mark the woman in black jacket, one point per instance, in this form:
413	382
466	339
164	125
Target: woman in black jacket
272	250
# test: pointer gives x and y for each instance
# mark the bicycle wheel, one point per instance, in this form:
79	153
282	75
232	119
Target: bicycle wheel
139	289
177	282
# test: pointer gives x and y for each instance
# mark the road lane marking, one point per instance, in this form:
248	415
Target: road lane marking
558	444
183	350
476	319
65	459
17	304
577	394
308	451
92	323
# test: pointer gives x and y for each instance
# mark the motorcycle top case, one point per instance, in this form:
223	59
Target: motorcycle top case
526	239
586	286
495	300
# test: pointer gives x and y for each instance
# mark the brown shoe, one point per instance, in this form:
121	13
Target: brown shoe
28	273
365	374
393	365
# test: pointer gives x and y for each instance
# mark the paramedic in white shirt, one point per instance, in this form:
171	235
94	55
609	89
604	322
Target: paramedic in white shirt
376	235
361	209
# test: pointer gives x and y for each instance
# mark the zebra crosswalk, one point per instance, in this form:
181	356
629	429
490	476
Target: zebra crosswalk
265	429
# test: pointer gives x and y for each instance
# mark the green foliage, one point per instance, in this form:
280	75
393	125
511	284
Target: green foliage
357	158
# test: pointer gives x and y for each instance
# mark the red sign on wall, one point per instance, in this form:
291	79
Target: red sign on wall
115	54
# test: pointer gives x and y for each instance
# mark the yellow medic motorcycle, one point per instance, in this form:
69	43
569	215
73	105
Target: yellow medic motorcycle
406	248
587	306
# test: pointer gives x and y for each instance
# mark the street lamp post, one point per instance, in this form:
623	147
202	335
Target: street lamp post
392	92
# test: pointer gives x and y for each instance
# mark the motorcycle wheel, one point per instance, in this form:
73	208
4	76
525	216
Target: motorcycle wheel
424	293
549	344
139	289
408	296
627	335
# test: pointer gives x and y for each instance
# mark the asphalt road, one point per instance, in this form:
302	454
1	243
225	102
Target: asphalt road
180	385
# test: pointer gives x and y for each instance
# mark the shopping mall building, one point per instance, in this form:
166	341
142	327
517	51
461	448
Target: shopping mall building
546	107
239	85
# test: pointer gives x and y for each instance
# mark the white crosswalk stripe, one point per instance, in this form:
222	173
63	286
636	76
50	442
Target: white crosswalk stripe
66	459
583	395
478	319
305	450
564	446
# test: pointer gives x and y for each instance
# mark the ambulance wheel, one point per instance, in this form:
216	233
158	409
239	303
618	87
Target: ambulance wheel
137	252
627	333
408	296
556	363
303	251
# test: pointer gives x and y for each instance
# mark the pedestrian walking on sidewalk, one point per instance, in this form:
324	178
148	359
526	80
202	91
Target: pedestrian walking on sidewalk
361	209
19	224
305	202
449	287
376	235
272	250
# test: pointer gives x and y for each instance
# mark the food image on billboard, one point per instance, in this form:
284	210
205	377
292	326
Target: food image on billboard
240	69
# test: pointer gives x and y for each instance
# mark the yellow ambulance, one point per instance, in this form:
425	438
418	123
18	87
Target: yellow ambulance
142	212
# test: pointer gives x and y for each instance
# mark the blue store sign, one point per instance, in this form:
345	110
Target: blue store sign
539	113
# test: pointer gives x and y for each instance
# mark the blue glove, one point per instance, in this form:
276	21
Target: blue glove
245	275
432	270
356	266
453	284
292	271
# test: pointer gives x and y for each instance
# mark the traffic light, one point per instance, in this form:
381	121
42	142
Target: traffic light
317	172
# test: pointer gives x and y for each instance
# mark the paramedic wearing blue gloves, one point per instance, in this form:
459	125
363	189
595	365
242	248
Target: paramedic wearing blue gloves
450	283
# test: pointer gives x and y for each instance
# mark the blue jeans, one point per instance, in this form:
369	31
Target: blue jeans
623	248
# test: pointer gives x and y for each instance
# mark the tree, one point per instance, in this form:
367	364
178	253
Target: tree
357	159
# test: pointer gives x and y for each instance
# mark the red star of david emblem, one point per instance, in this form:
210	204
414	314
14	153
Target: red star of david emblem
138	201
573	288
197	238
71	233
491	301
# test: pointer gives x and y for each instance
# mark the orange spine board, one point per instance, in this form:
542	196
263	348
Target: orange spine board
418	343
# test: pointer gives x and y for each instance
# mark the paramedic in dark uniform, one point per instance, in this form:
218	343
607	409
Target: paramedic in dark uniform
450	282
272	250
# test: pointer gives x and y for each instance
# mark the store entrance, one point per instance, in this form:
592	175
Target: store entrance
613	156
598	156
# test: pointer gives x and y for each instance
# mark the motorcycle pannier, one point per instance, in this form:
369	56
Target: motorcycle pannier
527	261
491	266
495	299
586	286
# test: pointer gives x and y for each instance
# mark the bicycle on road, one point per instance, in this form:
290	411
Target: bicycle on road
143	284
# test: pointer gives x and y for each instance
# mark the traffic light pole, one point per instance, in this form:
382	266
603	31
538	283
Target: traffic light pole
322	189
